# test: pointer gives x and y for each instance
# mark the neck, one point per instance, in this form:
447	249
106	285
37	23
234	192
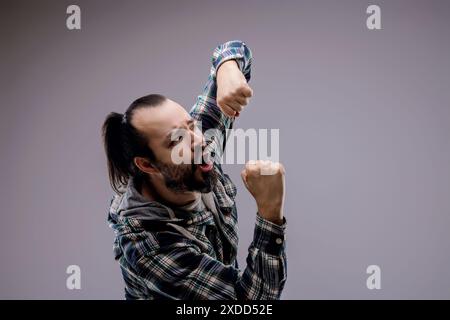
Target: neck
156	190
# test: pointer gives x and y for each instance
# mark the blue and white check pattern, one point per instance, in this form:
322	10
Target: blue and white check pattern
159	263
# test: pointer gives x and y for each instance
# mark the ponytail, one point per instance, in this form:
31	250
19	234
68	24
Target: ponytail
117	161
122	143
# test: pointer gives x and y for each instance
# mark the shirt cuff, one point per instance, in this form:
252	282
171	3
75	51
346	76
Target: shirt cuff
231	50
236	57
269	237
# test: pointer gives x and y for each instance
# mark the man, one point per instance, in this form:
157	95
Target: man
176	224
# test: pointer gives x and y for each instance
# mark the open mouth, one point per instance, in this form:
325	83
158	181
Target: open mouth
207	156
205	167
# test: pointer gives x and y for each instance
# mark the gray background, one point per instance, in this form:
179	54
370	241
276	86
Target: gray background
364	120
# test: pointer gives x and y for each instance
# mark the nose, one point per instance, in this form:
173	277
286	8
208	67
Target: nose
198	139
197	145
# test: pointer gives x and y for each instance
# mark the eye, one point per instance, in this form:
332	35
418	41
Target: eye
176	140
192	125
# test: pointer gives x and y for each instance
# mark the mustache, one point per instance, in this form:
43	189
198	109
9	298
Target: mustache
181	178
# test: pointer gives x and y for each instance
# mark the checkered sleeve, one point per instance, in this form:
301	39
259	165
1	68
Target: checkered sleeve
180	270
213	121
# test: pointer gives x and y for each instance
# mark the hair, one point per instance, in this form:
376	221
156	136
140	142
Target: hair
123	142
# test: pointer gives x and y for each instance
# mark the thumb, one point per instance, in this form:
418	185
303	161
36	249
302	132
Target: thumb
244	178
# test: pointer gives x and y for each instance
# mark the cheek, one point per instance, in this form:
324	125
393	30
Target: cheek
181	153
162	154
169	156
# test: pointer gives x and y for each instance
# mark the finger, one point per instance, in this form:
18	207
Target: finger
244	177
235	106
282	169
227	110
242	100
246	91
265	167
251	164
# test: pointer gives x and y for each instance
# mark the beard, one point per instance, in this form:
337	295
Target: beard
187	177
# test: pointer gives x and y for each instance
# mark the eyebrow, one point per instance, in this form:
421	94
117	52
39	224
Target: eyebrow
168	139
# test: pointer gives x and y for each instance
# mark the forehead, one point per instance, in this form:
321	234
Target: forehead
157	122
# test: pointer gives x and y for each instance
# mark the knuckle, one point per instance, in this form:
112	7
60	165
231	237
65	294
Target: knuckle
242	85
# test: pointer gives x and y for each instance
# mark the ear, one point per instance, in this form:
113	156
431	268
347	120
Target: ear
145	165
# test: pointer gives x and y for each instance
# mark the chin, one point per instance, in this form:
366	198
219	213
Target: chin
205	181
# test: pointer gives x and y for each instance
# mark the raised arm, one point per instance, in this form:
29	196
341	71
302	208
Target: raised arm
226	91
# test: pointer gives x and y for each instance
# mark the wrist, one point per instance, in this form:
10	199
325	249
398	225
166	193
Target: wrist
271	213
227	65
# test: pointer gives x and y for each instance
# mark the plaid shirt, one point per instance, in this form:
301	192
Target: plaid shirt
169	253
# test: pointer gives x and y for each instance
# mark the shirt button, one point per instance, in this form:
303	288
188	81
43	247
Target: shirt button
279	240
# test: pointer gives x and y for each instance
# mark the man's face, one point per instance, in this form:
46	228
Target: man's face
172	132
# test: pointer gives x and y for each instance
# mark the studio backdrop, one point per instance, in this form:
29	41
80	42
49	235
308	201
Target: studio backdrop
360	96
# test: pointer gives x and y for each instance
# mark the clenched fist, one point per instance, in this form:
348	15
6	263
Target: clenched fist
233	92
265	181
